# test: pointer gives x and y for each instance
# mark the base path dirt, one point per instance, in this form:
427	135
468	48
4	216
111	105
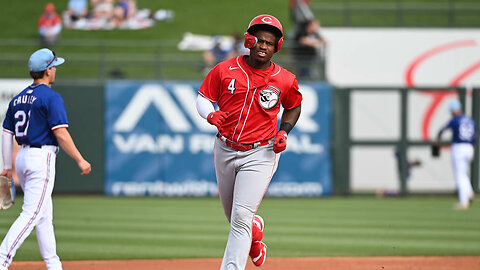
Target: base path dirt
322	263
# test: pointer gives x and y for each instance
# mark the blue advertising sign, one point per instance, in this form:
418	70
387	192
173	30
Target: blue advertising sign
158	145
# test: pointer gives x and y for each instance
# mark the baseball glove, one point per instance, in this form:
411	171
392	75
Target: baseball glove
435	150
7	193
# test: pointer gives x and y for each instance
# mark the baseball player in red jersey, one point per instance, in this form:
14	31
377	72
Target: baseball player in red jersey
249	90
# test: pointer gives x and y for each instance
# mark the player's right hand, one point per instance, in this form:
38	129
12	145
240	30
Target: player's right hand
85	167
217	118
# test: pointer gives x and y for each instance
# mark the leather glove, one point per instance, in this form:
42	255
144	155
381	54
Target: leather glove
280	142
217	118
7	192
435	148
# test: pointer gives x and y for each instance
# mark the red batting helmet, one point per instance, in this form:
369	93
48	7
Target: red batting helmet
264	20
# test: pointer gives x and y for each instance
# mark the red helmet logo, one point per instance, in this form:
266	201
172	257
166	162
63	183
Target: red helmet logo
267	19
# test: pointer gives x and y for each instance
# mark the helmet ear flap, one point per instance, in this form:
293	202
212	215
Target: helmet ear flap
250	40
279	45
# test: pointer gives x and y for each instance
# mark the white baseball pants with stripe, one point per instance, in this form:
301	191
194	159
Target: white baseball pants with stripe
462	156
242	178
35	168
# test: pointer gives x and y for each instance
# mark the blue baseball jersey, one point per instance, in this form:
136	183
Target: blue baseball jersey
464	129
33	114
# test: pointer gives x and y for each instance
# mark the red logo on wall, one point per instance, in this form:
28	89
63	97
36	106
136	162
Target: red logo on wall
438	96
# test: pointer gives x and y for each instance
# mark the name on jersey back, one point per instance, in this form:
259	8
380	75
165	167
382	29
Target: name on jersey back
25	99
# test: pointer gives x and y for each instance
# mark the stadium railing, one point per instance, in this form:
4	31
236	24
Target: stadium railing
116	59
398	13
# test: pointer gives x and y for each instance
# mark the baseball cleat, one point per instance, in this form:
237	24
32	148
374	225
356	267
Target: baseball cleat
257	228
471	197
461	206
258	253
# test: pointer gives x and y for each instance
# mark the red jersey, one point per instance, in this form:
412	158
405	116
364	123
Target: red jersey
49	20
252	98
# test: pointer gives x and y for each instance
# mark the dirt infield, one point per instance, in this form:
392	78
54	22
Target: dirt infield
330	263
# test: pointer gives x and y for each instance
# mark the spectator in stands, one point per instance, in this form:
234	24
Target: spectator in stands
308	51
300	11
220	52
102	12
123	11
49	26
216	54
238	46
76	10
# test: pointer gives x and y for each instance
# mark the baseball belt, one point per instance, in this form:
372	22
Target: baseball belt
240	146
51	148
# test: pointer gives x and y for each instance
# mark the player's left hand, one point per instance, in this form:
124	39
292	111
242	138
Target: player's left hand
84	166
7	173
280	142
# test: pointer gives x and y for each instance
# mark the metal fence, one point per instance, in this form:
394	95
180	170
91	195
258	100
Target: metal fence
343	143
398	13
121	59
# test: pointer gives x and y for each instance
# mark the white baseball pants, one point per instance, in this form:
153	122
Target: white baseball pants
242	178
462	155
35	168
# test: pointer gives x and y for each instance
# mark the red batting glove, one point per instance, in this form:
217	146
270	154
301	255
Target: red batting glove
280	142
217	118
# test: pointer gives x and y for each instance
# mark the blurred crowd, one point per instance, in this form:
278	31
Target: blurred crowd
97	14
221	51
307	45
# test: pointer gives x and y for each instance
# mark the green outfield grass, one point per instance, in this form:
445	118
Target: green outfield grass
96	227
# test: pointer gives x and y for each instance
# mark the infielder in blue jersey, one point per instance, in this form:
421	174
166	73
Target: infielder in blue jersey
37	119
463	138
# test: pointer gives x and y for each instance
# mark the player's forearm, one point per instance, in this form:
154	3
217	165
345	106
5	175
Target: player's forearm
67	144
204	106
439	135
290	118
7	150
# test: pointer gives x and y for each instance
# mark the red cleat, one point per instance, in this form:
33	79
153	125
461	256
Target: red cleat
257	228
258	253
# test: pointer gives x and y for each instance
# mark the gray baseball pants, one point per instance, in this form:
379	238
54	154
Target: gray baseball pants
242	178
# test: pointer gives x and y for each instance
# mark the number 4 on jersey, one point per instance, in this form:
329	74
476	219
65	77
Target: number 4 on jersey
231	86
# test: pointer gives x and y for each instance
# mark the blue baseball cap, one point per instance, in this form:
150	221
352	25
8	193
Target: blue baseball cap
455	105
44	59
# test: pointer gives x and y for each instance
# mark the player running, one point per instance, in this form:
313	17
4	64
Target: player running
249	90
37	119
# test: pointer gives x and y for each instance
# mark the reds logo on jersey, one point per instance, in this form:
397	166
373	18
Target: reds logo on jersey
269	97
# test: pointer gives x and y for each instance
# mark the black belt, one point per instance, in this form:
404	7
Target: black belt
35	146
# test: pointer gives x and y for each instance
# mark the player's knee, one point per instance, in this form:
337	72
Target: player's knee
242	214
242	219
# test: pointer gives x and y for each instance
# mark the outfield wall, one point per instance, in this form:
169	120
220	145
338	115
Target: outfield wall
145	138
157	144
385	58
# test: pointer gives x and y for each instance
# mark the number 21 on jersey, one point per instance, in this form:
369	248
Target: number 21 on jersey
21	123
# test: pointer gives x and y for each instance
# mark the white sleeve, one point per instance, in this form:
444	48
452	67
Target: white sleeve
204	106
7	150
